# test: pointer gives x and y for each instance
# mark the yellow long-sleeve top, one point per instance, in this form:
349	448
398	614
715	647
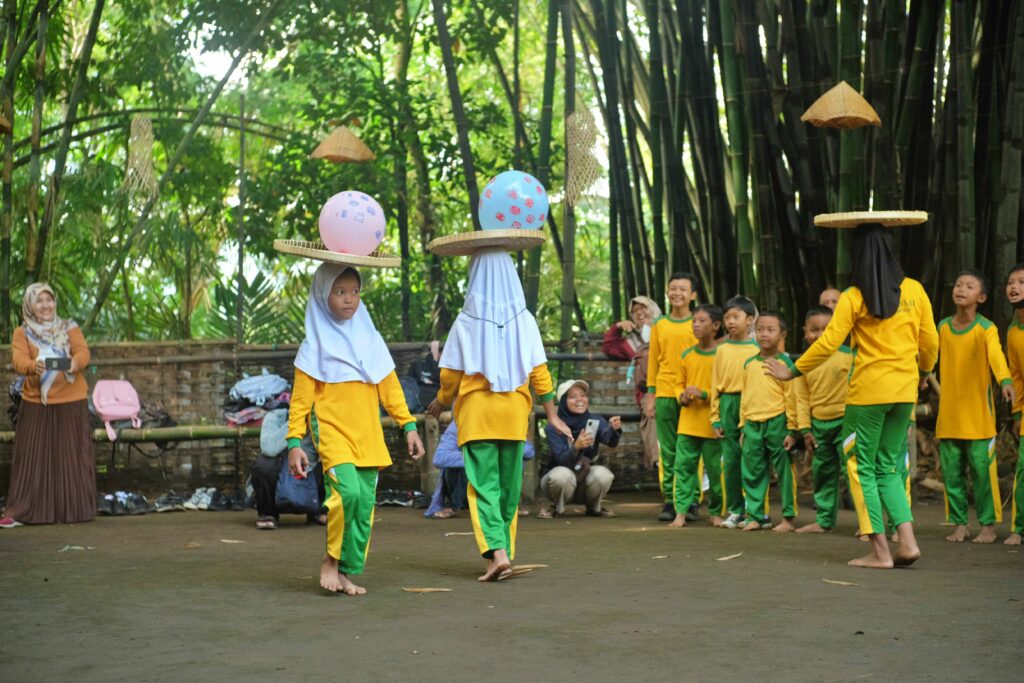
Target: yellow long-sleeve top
669	338
821	393
889	355
727	373
1015	356
969	411
695	367
765	397
347	417
485	415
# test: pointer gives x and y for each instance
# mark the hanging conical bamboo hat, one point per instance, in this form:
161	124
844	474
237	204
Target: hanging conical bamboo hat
342	146
851	219
5	125
841	107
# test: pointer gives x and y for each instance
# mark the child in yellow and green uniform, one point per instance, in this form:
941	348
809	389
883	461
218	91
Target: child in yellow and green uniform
1015	356
670	335
726	383
966	425
696	440
889	319
820	403
492	357
767	437
343	374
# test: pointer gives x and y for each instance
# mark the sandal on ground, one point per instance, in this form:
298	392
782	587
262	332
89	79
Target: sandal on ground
603	512
446	513
546	513
266	523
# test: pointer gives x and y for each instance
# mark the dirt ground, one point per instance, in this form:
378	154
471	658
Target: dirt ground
204	596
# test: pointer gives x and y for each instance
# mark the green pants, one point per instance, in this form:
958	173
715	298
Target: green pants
1017	506
689	451
666	419
732	469
825	469
495	473
874	446
351	494
956	456
762	447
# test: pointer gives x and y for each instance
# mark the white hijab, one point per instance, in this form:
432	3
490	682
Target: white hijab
494	335
336	350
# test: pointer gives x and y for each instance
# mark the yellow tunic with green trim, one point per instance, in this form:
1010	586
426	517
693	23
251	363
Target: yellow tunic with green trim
765	397
695	368
347	416
889	354
669	338
821	393
967	407
485	415
727	373
1015	356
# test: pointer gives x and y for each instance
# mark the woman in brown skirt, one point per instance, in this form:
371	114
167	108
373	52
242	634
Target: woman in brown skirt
53	477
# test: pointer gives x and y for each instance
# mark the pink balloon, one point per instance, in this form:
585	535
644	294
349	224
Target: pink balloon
352	222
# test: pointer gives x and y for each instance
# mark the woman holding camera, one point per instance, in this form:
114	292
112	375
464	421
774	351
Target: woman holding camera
571	474
53	477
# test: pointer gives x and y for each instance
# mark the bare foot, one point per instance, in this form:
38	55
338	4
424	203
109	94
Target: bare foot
349	588
752	525
895	537
495	566
1012	539
329	578
986	535
679	521
784	527
959	534
812	528
871	561
716	520
904	557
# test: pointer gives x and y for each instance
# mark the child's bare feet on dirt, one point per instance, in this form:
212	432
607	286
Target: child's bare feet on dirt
784	527
329	579
812	528
716	520
1012	539
904	557
496	566
959	535
986	535
752	525
349	588
872	561
679	521
895	538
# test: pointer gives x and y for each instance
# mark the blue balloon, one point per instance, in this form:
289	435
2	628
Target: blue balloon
513	199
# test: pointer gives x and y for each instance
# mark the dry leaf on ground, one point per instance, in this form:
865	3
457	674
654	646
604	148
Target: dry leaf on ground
840	583
230	540
729	557
427	590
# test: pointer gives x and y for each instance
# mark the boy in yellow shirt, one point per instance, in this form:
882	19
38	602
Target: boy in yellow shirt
820	403
670	335
1015	354
696	440
726	383
966	425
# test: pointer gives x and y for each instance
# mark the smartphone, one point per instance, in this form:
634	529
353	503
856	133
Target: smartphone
592	427
59	364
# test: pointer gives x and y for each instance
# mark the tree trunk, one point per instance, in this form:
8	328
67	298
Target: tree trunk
568	215
32	204
6	189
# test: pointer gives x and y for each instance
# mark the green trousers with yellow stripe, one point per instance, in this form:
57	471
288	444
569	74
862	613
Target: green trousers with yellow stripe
689	451
495	473
874	446
732	468
763	448
825	469
956	456
1017	506
666	420
351	494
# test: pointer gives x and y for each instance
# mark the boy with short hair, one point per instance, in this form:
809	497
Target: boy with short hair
829	297
766	427
670	335
726	384
820	403
1015	354
966	425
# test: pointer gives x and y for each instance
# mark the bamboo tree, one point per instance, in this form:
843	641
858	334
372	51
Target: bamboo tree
568	215
851	142
400	171
963	35
6	189
658	114
32	210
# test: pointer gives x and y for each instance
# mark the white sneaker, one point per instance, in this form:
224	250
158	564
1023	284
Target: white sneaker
193	502
732	521
205	499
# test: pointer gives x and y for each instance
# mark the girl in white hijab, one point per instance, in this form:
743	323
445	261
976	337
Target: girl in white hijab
493	356
343	374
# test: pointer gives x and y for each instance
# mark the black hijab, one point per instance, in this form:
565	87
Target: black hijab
574	421
876	272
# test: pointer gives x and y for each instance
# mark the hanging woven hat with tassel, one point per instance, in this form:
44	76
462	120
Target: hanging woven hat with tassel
841	107
342	146
851	219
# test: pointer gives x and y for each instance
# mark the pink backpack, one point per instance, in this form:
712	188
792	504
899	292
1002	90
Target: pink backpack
115	400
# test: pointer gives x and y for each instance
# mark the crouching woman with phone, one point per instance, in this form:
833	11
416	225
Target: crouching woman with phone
53	475
571	475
